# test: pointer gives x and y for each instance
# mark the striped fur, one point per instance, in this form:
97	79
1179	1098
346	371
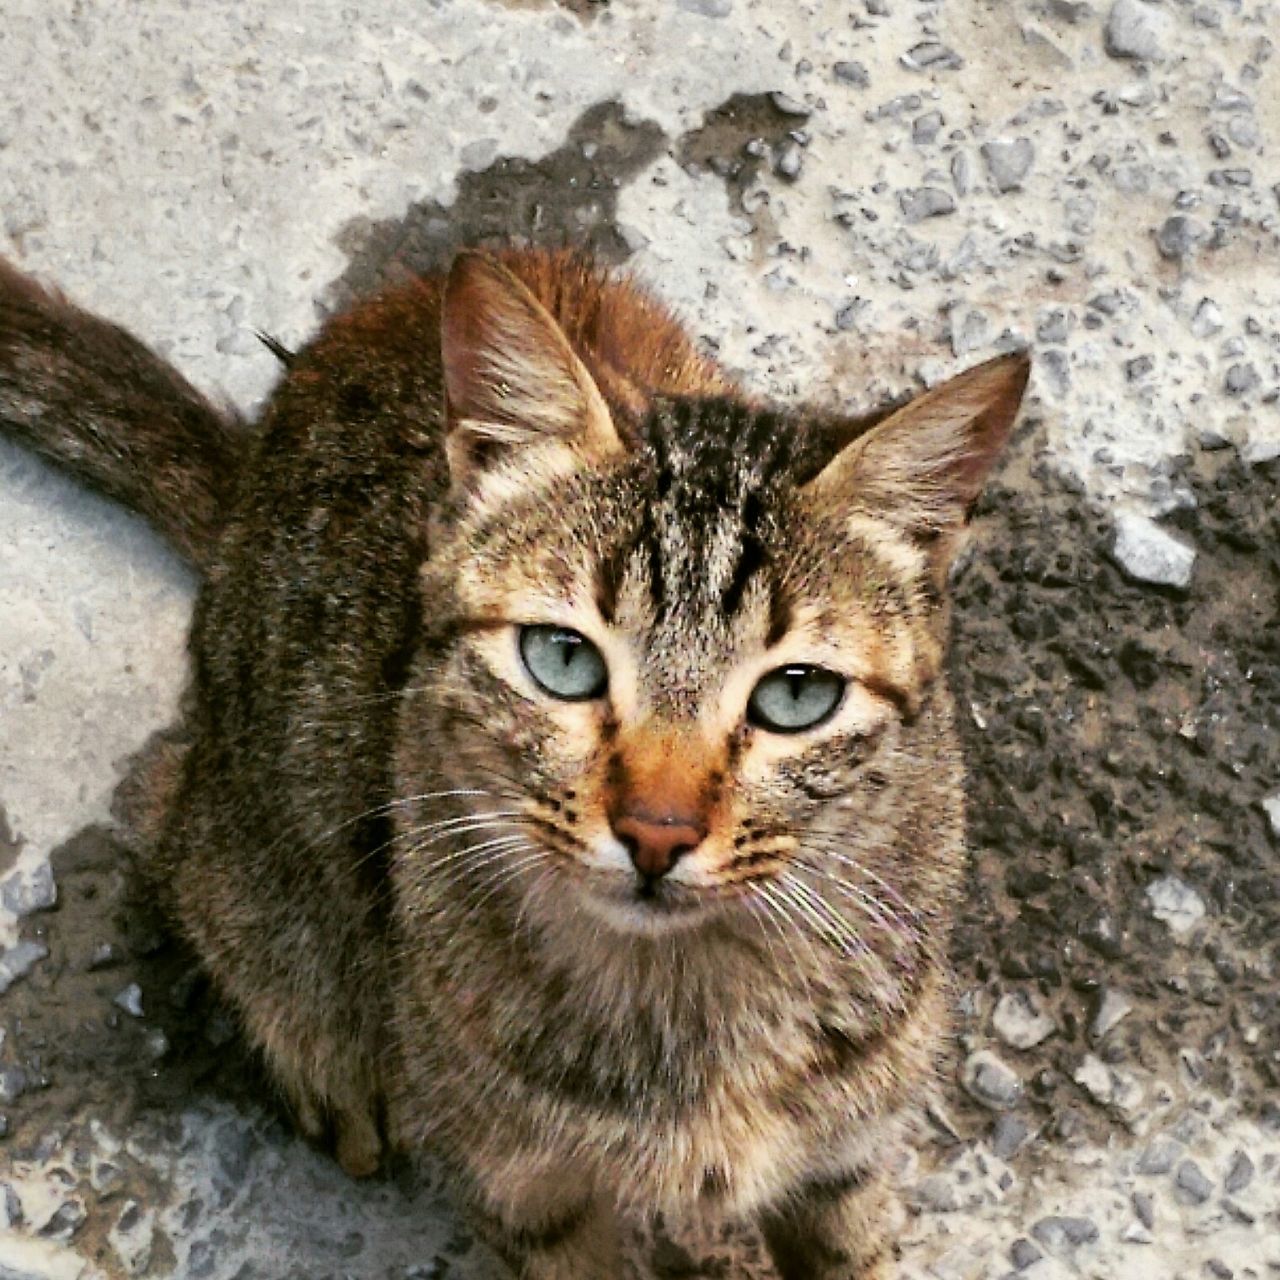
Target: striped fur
397	857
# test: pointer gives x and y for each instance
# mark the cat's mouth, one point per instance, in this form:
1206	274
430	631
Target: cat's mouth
643	905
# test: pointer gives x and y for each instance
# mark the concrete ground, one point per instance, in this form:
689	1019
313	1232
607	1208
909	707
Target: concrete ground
845	199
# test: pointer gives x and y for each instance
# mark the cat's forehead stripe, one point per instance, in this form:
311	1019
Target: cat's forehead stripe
715	462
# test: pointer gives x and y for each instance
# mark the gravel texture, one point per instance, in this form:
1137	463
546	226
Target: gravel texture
846	200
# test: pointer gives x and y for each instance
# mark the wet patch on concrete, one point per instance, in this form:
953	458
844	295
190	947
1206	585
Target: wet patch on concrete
568	197
1121	737
746	134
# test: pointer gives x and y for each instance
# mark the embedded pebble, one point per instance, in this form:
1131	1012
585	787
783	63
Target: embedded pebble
707	8
1241	379
1271	807
1147	553
1094	1078
969	330
1059	1233
1240	1175
990	1081
1022	1253
1008	162
1113	1007
1175	903
1144	1205
1180	236
1207	319
1020	1022
926	202
26	892
854	73
1134	31
1009	1134
18	961
13	1084
1191	1180
931	53
130	1000
789	160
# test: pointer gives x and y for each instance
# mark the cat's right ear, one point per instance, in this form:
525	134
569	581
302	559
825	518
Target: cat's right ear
511	378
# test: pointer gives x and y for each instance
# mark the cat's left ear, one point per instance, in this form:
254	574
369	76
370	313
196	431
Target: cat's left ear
923	467
511	378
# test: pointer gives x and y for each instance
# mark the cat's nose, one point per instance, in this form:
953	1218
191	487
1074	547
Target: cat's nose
656	843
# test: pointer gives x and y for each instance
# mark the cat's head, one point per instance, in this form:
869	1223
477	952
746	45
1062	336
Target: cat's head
684	650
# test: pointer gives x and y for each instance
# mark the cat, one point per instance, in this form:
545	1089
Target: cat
567	781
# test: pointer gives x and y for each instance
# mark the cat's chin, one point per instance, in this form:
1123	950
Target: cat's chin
630	910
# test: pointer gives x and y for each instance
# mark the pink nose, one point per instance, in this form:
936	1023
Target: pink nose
656	845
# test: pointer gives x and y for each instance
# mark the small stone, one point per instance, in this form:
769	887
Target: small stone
11	1214
1175	903
790	106
1008	162
1191	1181
1138	368
707	8
1008	1135
1054	326
1058	1233
1219	1269
157	1044
1147	553
969	330
130	1000
26	892
926	202
1112	1009
1020	1022
925	128
878	8
847	316
103	956
931	53
1136	1233
1022	1253
936	1193
1241	379
1094	1078
789	160
990	1081
854	73
1072	11
13	1084
66	1220
1179	236
18	961
1144	1205
1240	1174
1207	319
961	173
1134	31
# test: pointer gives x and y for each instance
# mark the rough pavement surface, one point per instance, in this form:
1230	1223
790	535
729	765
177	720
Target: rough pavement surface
846	200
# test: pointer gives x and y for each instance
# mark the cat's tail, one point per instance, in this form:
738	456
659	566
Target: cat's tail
87	396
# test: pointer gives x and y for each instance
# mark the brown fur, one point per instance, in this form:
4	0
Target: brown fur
407	863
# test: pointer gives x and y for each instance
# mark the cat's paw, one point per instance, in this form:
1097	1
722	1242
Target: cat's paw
349	1126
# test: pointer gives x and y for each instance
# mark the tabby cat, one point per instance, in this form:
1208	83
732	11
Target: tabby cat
567	782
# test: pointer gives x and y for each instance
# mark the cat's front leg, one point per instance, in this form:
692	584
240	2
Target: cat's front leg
834	1228
553	1228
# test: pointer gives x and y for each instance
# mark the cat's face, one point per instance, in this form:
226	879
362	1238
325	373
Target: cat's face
681	675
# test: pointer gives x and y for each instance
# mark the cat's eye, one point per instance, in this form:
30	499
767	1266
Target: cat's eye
563	663
794	698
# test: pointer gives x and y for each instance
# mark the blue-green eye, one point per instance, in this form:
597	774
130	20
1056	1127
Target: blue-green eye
564	663
792	699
